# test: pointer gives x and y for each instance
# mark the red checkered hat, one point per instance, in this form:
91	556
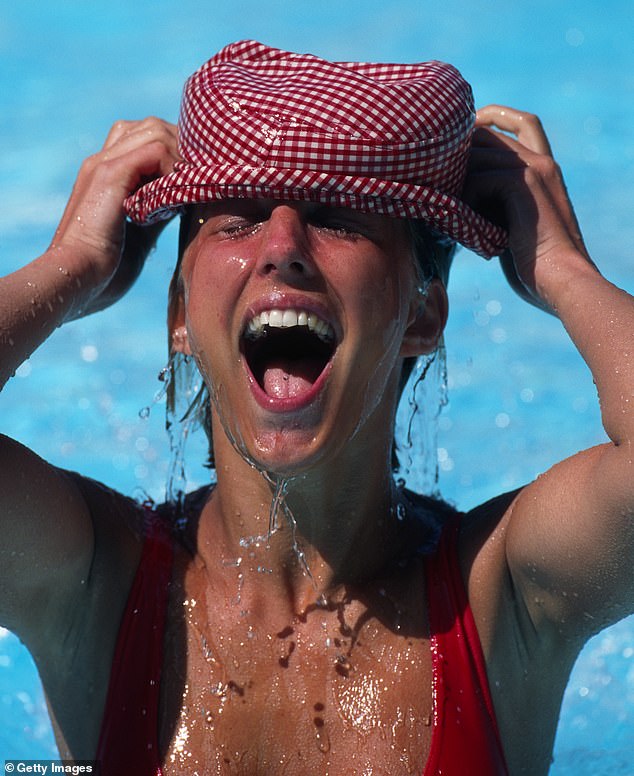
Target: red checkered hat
258	122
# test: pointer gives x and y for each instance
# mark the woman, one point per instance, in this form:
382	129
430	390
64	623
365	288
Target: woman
313	617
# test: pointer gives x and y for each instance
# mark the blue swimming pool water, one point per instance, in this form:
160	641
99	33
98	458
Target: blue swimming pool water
520	398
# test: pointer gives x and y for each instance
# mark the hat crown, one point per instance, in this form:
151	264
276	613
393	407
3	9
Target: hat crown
258	106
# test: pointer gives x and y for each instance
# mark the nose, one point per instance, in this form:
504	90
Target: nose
285	246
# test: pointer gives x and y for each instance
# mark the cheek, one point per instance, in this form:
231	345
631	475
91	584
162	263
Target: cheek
384	305
213	285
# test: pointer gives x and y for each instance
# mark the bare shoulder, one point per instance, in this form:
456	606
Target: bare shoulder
522	661
481	542
61	533
570	542
483	561
71	548
75	650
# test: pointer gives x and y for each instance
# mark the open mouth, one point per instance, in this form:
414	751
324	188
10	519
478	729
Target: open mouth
287	351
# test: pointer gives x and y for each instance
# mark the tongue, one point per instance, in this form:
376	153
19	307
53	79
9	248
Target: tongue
283	379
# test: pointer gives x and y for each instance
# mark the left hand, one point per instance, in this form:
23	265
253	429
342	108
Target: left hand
516	182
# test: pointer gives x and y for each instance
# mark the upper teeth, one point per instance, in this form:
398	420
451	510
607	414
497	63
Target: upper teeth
286	319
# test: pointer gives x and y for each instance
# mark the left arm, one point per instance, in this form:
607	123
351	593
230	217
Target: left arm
569	536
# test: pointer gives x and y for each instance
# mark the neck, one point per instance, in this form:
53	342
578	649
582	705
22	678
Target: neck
300	539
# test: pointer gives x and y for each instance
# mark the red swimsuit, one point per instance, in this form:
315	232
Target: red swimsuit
128	742
465	736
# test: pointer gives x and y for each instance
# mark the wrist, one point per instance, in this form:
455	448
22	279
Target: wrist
557	277
55	284
75	281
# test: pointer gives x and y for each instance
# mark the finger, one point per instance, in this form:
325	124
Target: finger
117	130
520	200
139	133
505	151
125	171
495	139
103	184
124	137
525	126
126	129
123	127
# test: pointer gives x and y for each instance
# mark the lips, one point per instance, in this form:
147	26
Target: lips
287	352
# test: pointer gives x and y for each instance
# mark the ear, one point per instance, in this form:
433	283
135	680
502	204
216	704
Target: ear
177	328
428	316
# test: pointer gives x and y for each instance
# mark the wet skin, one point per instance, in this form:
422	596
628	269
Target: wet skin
356	270
257	691
340	687
545	568
252	662
353	270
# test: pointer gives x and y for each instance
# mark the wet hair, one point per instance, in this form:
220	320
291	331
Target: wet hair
433	252
432	255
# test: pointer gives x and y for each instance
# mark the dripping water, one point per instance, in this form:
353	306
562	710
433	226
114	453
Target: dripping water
416	433
279	505
299	553
280	488
182	391
185	393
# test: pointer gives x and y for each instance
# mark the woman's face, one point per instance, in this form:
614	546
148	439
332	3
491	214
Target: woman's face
298	315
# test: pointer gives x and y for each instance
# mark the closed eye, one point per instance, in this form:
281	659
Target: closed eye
340	230
238	227
336	222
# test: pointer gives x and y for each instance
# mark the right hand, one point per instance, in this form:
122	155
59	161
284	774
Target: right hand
93	242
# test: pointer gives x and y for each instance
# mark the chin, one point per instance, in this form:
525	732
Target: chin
287	455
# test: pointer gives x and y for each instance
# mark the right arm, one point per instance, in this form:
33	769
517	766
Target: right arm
47	539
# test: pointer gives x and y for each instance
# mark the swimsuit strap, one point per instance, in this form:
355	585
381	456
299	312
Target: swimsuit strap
128	742
465	738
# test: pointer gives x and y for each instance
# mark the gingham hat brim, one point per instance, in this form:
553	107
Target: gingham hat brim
189	185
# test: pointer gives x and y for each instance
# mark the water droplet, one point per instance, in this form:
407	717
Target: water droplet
343	666
323	739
